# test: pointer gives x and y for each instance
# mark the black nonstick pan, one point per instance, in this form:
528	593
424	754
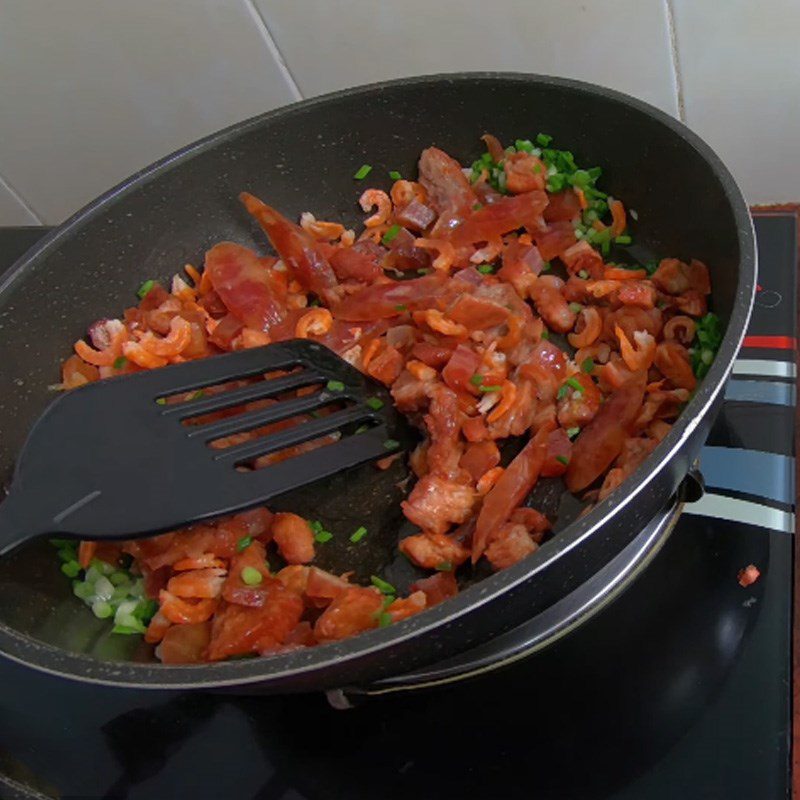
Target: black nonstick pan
303	158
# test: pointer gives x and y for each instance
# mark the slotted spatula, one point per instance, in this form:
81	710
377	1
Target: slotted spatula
115	459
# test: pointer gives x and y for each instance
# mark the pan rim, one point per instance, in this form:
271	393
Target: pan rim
48	658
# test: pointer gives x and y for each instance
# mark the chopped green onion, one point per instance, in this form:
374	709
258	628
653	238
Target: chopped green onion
251	576
477	206
395	175
546	266
71	569
323	536
623	240
493	388
543	139
363	172
384	619
546	335
120	579
244	543
390	234
391	444
562	392
316	525
362	428
128	629
102	610
587	366
120	362
83	589
358	534
486	269
573	432
314	302
562	460
575	308
708	338
445	566
401	307
575	384
476	379
556	183
384	586
583	274
334	386
68	553
162	401
63	542
196	395
145	288
103	588
423	271
524	145
375	403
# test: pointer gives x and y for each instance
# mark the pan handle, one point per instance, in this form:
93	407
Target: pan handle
692	487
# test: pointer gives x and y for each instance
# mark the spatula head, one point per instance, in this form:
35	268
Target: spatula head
137	455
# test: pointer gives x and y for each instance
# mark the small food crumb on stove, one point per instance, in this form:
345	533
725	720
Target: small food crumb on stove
749	575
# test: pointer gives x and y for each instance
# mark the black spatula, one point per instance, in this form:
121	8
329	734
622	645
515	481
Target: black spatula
135	456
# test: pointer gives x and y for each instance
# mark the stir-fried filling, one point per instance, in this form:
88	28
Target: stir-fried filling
484	299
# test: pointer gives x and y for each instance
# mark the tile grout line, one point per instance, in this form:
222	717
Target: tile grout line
275	51
4	182
676	64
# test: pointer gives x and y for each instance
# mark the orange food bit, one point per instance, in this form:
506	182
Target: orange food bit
178	339
134	351
316	322
403	192
250	337
488	479
438	322
618	217
193	273
749	575
370	351
376	198
86	551
180	611
507	398
421	371
447	253
640	354
319	229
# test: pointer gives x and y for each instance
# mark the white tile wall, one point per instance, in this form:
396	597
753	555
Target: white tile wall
91	90
13	209
739	66
331	44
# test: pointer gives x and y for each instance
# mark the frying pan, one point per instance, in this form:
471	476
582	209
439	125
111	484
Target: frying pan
300	158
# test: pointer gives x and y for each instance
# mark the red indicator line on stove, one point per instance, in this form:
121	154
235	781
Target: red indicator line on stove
775	342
